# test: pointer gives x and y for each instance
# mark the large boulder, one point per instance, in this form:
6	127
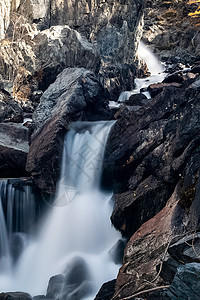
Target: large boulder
13	149
75	95
60	47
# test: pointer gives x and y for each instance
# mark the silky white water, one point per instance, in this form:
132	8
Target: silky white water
77	229
155	68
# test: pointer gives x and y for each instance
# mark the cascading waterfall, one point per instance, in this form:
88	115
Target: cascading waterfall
76	237
155	68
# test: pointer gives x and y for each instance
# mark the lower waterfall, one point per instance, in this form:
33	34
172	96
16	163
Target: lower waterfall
76	242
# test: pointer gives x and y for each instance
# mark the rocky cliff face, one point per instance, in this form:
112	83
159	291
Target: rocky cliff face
110	24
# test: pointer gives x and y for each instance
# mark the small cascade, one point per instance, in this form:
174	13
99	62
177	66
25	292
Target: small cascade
17	216
76	243
155	68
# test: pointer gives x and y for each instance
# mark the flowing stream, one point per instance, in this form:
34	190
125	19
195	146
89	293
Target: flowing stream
76	239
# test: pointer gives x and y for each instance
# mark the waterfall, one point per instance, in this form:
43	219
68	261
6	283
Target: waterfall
17	216
76	239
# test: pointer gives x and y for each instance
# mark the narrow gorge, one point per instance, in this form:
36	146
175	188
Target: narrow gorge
99	149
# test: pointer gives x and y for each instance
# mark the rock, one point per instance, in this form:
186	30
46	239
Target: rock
75	95
186	283
10	110
146	249
157	88
55	286
195	69
117	78
185	250
176	77
13	149
169	33
77	35
66	48
169	268
137	203
107	290
137	99
15	296
117	252
73	284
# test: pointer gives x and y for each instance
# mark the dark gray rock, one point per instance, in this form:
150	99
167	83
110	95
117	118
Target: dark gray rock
117	78
186	283
137	100
195	69
169	268
107	290
176	77
15	296
187	249
10	110
117	252
160	142
137	204
13	149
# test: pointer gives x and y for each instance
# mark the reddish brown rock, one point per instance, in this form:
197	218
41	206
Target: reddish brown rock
147	248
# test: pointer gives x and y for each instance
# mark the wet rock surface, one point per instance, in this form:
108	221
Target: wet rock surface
75	283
